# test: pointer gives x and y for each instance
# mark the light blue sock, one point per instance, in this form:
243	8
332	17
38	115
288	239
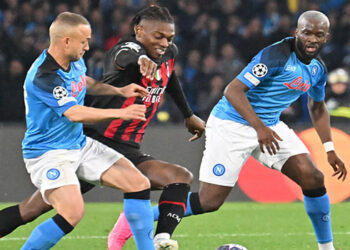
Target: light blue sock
318	209
44	236
188	211
138	212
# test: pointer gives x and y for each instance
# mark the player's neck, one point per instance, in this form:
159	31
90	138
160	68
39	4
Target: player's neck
59	57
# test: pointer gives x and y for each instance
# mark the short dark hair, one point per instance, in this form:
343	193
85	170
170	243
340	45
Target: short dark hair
153	12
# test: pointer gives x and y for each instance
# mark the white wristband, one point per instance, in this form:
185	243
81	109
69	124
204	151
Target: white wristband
328	146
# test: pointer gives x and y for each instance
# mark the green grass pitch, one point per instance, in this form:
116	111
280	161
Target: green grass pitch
254	225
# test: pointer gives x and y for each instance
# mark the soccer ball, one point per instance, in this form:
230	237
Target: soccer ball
231	247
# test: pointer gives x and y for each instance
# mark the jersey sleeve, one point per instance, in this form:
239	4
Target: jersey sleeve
317	92
128	54
264	65
50	89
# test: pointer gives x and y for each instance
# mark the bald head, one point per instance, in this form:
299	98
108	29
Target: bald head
65	24
313	16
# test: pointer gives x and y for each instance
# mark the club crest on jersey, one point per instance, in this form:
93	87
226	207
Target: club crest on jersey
314	70
133	46
53	174
59	92
158	75
259	70
219	169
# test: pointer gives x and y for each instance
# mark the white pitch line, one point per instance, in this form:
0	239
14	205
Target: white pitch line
216	235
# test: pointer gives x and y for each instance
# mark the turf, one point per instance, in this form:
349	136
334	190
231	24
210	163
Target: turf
256	226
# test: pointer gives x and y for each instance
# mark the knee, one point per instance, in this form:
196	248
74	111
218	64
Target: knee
181	175
73	213
140	183
312	179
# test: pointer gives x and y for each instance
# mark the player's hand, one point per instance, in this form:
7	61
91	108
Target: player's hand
147	67
268	138
195	126
133	90
337	165
134	112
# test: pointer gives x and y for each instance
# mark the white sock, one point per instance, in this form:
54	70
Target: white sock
326	246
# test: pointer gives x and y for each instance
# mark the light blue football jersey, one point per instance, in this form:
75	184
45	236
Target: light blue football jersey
276	78
48	92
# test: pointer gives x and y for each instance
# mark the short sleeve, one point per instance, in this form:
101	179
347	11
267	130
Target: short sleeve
50	89
127	54
317	92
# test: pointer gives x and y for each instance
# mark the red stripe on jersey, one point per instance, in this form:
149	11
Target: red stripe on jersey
114	125
174	203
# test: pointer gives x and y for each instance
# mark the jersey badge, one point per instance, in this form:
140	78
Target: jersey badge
157	75
59	92
219	169
259	70
132	45
314	70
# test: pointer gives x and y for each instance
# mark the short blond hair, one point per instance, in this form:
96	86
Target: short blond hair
64	23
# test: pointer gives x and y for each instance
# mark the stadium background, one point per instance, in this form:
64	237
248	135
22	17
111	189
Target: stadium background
215	39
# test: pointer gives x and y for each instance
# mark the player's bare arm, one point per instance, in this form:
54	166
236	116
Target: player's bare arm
95	87
79	113
235	94
320	119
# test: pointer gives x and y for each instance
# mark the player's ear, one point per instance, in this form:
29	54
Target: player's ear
138	29
66	41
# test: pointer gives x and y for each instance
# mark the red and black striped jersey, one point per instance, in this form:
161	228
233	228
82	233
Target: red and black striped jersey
120	69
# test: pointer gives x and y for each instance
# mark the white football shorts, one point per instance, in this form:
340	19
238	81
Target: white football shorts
57	168
229	144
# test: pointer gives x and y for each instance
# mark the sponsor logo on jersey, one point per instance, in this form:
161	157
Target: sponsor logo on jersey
219	169
251	78
291	68
78	87
53	174
259	70
132	45
59	92
298	84
154	94
314	70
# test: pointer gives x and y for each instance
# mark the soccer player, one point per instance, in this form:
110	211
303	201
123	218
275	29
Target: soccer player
245	122
146	58
55	150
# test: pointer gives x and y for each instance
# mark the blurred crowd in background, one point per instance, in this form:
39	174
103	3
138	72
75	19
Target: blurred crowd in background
216	39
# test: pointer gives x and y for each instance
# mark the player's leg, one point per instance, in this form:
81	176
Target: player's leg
28	210
293	160
301	169
69	204
103	165
175	181
137	206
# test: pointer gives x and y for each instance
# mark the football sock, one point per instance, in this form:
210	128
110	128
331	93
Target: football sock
48	233
188	212
318	208
172	206
10	218
138	212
